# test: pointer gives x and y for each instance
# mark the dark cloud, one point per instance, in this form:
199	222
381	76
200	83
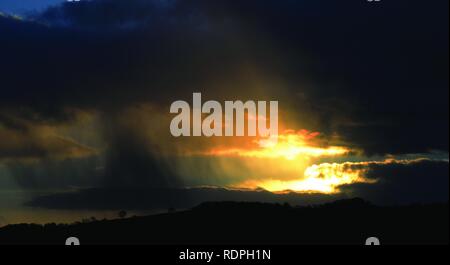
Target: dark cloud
36	145
107	14
376	75
398	183
50	66
416	181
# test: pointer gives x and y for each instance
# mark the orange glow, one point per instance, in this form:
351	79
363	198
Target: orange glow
290	145
323	178
293	152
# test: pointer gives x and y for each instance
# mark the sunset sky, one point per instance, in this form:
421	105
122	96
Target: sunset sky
362	91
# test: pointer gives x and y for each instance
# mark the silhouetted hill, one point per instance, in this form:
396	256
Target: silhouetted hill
341	222
355	203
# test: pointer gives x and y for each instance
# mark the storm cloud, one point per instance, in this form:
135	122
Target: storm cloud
397	183
402	182
391	89
372	77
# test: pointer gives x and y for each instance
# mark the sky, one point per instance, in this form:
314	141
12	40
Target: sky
22	7
86	90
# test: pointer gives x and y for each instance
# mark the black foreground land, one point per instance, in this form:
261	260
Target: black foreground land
341	222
